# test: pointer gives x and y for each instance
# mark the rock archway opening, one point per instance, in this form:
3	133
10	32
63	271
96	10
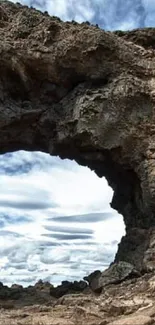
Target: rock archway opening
56	220
78	92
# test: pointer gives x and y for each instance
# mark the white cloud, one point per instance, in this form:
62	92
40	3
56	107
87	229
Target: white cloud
59	263
32	240
110	229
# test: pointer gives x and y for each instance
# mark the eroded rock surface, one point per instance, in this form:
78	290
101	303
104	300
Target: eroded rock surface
79	92
16	295
131	302
116	273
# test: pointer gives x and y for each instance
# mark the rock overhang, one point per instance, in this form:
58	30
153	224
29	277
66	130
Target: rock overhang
87	94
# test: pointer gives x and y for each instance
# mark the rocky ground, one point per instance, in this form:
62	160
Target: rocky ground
131	302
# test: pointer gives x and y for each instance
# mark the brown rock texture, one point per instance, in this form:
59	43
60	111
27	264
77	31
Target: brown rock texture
83	93
116	273
128	303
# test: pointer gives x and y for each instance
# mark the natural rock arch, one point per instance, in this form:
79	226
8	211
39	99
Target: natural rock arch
79	92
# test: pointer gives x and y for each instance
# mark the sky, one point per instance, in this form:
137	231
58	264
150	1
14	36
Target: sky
55	219
108	14
56	222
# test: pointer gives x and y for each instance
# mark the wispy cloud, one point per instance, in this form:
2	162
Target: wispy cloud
72	230
66	237
83	218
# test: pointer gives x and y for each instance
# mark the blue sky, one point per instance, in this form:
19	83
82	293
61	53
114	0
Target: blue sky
55	217
109	14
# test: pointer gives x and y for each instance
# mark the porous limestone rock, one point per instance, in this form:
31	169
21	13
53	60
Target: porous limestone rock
130	302
87	94
93	280
116	273
134	320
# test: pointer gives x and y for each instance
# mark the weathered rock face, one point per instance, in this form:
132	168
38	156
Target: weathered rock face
37	294
79	92
131	302
115	274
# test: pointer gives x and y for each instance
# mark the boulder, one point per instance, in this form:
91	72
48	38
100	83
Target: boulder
67	287
116	273
43	285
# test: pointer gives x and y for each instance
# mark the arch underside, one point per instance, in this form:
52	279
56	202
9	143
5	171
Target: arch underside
79	92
